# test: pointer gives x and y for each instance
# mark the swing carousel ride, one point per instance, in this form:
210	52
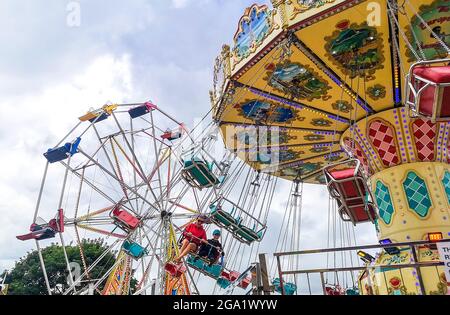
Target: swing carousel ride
351	94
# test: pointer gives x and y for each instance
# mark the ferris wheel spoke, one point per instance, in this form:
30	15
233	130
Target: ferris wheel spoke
100	231
114	177
92	266
41	190
141	170
90	184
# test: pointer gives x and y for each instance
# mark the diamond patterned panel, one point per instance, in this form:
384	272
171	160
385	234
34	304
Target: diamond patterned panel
384	202
446	183
424	134
357	151
417	194
383	140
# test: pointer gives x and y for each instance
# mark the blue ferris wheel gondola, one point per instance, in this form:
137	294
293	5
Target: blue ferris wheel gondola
61	153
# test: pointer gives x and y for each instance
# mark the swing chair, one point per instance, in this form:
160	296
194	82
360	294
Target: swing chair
201	170
98	115
428	89
289	287
176	270
124	219
352	291
141	110
134	250
331	289
41	230
174	134
63	152
205	266
228	215
207	259
347	184
228	277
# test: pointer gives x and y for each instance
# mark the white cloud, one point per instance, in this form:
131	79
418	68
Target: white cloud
179	4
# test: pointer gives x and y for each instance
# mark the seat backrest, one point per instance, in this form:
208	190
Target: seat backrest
116	211
342	174
351	187
436	74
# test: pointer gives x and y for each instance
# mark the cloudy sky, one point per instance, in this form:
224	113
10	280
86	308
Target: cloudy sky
122	51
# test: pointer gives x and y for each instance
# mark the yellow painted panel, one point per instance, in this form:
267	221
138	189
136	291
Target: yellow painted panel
347	32
249	108
299	79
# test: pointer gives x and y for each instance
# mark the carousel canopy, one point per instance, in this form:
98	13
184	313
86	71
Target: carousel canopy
301	73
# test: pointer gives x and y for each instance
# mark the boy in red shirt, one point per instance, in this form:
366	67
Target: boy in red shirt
194	235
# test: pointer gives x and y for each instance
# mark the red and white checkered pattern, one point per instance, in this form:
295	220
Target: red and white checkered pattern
357	151
382	138
424	132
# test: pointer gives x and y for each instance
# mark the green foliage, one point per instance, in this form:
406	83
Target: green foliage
26	278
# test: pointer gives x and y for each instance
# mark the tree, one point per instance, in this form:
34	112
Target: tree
26	278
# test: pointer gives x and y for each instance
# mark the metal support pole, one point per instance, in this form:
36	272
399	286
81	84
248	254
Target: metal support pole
419	274
61	198
44	271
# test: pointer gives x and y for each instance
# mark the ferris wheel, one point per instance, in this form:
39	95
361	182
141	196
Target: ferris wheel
138	184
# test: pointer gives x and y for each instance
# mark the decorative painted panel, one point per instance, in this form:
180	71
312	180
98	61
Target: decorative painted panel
446	183
255	25
262	112
357	151
297	80
384	202
383	139
424	132
417	194
359	40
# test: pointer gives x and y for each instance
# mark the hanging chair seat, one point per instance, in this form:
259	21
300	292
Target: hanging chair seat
428	90
141	110
222	217
63	152
244	283
199	173
289	287
124	219
351	192
175	270
249	235
134	249
99	118
38	233
226	278
198	263
172	134
333	290
223	283
352	291
46	230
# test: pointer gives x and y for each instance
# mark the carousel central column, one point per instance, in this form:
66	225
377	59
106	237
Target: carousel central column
407	162
412	200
